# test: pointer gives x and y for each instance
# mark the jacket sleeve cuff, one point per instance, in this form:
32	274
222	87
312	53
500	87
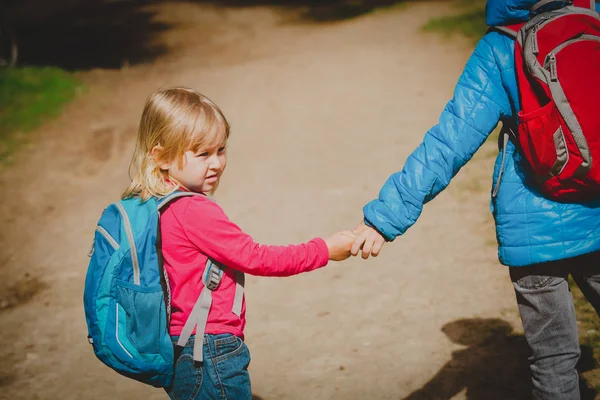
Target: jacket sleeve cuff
378	220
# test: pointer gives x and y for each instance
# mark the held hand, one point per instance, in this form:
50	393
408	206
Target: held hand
339	245
367	239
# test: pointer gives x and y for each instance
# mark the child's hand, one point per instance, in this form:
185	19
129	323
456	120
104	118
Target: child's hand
339	245
367	239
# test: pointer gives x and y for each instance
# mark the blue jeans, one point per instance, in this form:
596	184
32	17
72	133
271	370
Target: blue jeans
548	315
222	375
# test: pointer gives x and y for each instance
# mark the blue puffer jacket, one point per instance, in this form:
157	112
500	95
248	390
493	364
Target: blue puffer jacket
529	228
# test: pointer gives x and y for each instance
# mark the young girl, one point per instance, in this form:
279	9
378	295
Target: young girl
182	146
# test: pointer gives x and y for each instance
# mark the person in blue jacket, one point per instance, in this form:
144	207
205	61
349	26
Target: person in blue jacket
542	241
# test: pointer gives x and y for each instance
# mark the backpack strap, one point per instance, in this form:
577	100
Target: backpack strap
513	29
510	30
240	281
211	278
199	315
162	202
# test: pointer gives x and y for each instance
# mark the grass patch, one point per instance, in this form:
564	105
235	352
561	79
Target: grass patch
29	96
469	22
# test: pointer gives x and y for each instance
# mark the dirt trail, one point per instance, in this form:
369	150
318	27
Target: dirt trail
321	115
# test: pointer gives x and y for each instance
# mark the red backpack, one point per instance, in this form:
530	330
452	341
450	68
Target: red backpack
557	59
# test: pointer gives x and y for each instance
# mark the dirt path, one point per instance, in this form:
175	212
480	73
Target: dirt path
321	115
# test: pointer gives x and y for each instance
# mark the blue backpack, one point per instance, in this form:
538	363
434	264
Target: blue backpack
127	298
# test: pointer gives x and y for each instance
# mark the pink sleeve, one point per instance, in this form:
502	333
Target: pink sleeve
208	228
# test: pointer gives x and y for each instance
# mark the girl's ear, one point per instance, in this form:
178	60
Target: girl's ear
155	154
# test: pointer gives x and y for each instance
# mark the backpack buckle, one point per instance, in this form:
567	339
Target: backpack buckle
212	275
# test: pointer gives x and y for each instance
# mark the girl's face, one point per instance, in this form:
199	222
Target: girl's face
201	170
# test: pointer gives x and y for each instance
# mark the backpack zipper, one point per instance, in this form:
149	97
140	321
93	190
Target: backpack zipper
550	60
561	46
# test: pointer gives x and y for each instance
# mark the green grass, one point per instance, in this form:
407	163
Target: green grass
29	96
469	22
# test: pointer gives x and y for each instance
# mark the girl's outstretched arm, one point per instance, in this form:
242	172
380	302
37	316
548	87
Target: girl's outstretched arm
210	230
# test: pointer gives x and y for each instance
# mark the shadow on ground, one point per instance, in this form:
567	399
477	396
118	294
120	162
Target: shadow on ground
492	366
77	34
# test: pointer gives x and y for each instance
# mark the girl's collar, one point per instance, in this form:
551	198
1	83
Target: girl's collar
180	186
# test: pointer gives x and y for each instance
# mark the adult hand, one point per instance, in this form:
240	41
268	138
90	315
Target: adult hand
367	239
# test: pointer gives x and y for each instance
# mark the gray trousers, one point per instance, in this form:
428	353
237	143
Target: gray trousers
548	315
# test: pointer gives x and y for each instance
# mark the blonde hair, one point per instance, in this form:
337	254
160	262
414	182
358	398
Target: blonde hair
177	119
